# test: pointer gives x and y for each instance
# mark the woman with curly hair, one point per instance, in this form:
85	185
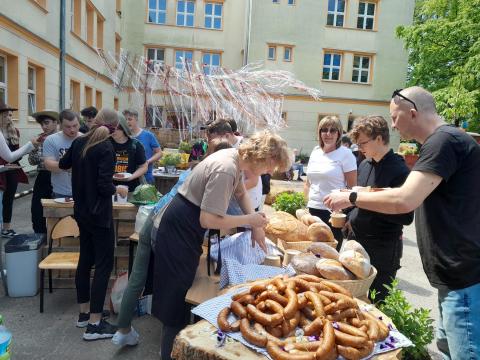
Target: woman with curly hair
201	203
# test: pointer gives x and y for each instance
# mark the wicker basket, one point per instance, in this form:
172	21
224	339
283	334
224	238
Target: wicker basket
359	288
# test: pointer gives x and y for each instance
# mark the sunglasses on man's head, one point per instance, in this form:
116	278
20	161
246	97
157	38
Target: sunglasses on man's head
397	93
328	130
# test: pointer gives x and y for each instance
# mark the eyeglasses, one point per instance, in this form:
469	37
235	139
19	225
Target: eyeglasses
397	93
328	130
361	144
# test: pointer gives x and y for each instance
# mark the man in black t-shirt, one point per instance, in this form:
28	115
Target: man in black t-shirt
442	187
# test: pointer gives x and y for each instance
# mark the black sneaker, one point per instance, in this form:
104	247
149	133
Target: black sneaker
104	330
84	317
8	233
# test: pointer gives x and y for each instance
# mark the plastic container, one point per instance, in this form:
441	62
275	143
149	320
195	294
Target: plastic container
22	255
5	341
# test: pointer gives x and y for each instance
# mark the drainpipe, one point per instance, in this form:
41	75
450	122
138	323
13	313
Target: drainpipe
63	15
249	29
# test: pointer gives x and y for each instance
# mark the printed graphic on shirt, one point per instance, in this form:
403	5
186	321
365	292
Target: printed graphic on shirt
122	161
62	152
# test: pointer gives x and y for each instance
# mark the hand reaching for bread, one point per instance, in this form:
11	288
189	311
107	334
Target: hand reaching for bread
257	219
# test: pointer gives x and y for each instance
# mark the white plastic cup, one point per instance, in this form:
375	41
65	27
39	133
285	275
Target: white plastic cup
288	256
120	198
295	174
272	260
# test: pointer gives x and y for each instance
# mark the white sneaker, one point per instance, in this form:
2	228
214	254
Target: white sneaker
130	339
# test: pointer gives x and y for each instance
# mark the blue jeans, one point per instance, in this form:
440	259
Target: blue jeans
458	334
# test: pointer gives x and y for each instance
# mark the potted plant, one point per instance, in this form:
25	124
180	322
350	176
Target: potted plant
410	153
185	148
170	161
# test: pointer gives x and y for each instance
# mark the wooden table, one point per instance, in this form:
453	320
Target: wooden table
164	182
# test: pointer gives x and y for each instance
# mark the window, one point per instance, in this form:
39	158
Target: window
185	12
336	12
213	15
88	96
157	11
3	78
157	57
153	116
331	66
118	7
284	116
90	12
287	53
74	95
118	44
100	21
31	91
272	53
76	19
291	2
366	15
98	99
182	57
276	1
211	62
361	69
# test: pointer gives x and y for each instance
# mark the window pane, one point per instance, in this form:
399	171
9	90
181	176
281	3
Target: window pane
365	62
2	94
180	20
330	18
331	5
335	74
341	6
364	78
339	20
360	23
188	56
208	8
191	7
217	23
152	4
181	6
336	60
31	104
361	8
208	22
206	59
178	56
327	59
371	9
326	73
151	17
356	61
31	79
216	60
163	5
369	23
151	54
160	54
161	18
189	20
286	54
218	10
271	53
355	76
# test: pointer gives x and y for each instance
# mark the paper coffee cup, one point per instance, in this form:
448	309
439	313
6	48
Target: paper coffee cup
120	198
288	256
338	220
272	260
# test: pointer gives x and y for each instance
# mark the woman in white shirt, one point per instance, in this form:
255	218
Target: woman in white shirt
331	166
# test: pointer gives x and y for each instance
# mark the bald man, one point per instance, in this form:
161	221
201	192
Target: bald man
442	188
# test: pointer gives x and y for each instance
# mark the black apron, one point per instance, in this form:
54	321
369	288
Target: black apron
178	249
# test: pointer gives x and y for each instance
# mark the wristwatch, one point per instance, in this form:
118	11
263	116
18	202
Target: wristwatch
353	198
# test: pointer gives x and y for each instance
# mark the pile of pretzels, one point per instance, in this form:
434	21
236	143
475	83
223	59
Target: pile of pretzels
303	318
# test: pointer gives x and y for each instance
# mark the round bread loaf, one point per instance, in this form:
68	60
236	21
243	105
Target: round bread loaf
333	270
320	232
356	263
286	227
305	263
324	250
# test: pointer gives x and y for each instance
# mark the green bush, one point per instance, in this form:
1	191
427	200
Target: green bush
170	159
415	324
185	147
289	202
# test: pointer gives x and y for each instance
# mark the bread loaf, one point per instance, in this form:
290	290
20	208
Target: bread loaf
320	232
323	250
356	263
284	226
305	263
354	245
333	270
301	213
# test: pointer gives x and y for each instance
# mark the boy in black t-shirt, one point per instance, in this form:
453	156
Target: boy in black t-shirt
442	188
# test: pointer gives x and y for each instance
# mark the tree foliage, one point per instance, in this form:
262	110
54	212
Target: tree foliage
444	56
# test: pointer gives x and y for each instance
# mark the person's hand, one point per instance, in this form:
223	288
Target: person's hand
122	191
35	141
258	236
257	219
337	201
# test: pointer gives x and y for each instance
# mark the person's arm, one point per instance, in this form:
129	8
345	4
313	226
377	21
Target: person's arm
66	161
140	161
400	200
306	189
11	156
157	154
351	178
142	169
49	155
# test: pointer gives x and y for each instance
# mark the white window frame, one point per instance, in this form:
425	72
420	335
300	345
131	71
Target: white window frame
360	69
155	60
4	85
184	52
332	67
207	67
212	16
274	57
365	16
185	13
290	51
33	91
337	13
157	11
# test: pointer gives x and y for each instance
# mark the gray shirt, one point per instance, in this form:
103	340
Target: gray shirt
54	147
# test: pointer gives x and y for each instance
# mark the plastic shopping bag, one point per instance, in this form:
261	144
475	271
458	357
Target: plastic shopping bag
118	289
